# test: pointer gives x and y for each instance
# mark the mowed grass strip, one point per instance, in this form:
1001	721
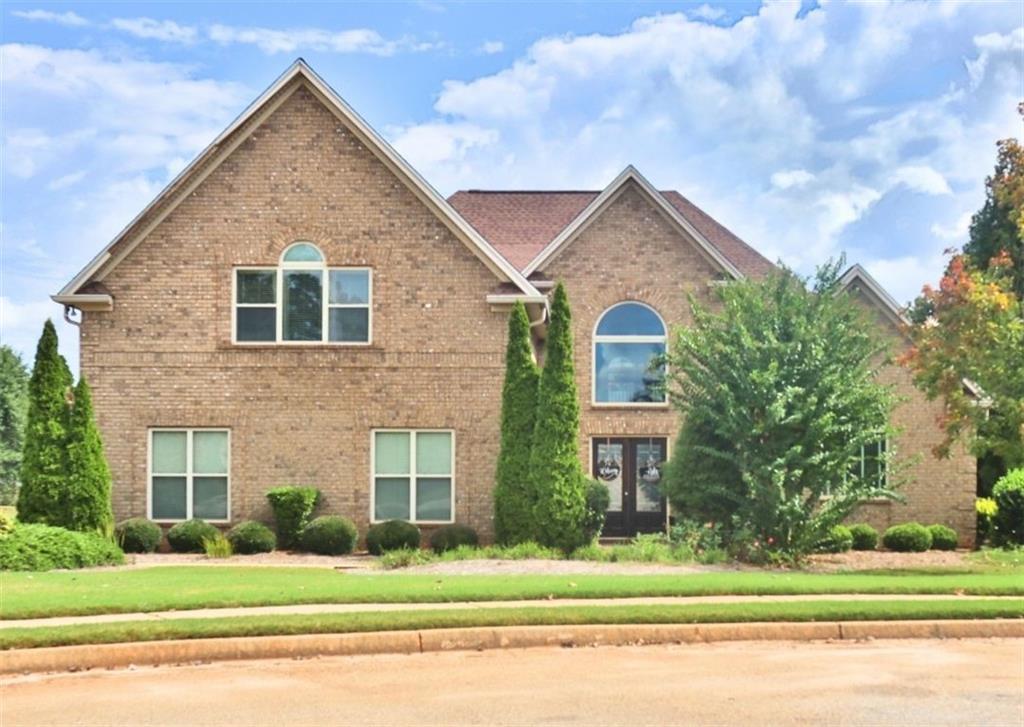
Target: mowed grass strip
800	611
71	593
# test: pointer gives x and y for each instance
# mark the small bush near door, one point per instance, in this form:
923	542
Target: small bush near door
392	535
138	535
943	537
1008	522
451	537
907	538
329	535
598	499
250	537
188	537
292	507
864	536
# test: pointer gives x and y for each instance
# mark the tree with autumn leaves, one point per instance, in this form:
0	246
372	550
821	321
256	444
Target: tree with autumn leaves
968	333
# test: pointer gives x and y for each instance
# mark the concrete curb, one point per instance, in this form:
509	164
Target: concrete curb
111	656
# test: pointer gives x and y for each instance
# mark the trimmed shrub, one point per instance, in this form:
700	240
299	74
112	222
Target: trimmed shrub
188	537
1008	522
864	536
943	537
292	507
35	547
598	500
454	536
250	537
513	493
907	538
392	535
556	475
329	535
838	540
138	535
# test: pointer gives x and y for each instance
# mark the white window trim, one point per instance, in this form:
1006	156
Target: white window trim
189	475
606	338
413	476
326	305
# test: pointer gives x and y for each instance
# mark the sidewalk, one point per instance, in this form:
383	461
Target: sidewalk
330	608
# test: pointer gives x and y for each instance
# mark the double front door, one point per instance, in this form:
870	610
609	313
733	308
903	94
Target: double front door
631	469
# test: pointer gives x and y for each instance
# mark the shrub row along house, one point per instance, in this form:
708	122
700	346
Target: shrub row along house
300	306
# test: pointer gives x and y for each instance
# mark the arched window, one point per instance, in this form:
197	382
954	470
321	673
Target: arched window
629	341
302	300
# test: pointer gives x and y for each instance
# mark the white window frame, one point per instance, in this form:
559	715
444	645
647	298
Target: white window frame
189	475
413	476
596	339
278	304
885	470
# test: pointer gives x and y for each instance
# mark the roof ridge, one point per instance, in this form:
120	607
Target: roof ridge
527	191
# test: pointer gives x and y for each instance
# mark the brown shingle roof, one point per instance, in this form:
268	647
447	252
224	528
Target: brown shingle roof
521	223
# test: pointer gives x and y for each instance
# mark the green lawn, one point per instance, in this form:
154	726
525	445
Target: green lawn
357	622
63	593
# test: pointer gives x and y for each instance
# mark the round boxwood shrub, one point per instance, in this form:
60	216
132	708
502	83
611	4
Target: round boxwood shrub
907	538
329	535
250	537
138	535
34	547
392	535
838	540
865	537
451	537
187	537
1008	522
943	537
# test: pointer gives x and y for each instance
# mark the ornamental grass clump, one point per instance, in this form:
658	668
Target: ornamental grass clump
217	546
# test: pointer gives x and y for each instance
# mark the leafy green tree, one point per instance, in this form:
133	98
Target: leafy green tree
87	500
778	391
43	465
555	471
13	410
514	498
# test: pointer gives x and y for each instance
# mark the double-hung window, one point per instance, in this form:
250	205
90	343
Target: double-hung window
413	475
871	466
302	301
189	474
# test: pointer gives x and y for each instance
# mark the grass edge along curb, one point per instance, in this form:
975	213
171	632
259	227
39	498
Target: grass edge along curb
41	595
361	622
155	653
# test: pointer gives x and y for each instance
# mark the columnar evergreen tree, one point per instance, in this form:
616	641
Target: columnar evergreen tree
43	473
555	471
13	409
514	497
87	501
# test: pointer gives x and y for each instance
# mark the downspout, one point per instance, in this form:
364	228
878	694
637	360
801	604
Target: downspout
69	319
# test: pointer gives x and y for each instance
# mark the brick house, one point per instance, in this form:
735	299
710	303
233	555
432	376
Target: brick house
299	306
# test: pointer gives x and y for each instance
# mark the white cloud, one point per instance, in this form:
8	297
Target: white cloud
490	47
68	18
921	178
791	178
955	232
707	12
67	180
148	28
989	46
355	40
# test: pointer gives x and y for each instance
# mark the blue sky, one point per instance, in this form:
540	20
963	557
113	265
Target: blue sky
808	129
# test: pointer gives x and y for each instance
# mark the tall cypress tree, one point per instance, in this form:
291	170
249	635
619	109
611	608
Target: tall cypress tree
555	470
514	498
43	480
87	504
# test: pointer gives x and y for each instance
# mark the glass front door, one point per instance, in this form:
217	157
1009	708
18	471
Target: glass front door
631	469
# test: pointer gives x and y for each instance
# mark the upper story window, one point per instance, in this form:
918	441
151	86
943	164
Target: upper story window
629	342
302	300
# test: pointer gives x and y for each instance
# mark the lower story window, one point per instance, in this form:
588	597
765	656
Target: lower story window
871	466
188	474
413	475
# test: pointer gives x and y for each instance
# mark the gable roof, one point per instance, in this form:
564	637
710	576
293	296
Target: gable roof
523	224
857	274
298	74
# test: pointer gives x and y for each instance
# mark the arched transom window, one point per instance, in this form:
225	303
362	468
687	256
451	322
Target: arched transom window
302	300
629	342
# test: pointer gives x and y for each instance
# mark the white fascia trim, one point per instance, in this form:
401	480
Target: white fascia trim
589	212
857	272
86	301
497	264
510	298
